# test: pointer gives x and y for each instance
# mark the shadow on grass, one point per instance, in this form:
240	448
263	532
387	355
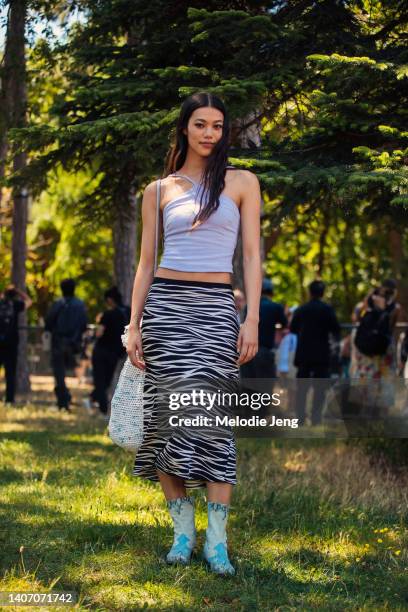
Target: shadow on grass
91	554
55	423
62	543
97	455
8	475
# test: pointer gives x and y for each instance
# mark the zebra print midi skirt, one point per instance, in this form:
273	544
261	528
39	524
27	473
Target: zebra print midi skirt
189	329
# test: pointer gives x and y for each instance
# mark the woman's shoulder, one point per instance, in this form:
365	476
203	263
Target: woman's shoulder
151	187
150	191
166	183
241	173
241	176
242	183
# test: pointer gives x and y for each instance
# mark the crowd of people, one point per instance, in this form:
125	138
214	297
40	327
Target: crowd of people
66	325
302	342
67	322
306	343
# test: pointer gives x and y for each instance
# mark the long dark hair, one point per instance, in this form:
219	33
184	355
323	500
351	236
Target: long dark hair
214	173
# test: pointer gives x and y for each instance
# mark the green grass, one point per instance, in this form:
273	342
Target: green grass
304	527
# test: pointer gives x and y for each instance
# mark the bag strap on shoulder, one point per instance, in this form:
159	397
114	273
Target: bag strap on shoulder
156	235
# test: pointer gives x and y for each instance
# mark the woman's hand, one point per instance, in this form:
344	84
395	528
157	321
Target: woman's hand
247	343
134	347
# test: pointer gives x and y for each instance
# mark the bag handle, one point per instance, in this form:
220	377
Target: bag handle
156	235
156	240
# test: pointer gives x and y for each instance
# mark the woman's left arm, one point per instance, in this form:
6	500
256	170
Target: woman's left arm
247	344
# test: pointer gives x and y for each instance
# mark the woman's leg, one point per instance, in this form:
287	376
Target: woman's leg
219	492
173	486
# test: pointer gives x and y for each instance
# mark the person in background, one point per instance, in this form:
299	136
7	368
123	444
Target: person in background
287	349
285	366
345	356
270	314
66	321
313	323
12	302
373	350
402	354
108	347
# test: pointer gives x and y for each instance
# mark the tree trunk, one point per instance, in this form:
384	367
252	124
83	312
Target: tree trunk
15	97
4	221
125	245
3	155
238	267
125	225
322	241
343	256
5	110
399	262
300	266
247	133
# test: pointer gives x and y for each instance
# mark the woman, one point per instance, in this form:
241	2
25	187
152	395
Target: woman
108	349
373	372
189	322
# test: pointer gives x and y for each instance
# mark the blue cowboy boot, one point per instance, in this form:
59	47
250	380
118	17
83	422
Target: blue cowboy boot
215	547
182	512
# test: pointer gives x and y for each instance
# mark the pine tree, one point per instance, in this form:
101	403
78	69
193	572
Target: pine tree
325	80
128	68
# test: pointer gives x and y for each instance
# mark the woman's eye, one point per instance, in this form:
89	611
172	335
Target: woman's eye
200	125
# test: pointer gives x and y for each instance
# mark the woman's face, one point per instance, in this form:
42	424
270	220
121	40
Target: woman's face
204	130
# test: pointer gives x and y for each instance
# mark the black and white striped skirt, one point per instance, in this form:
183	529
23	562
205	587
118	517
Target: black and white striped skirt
189	330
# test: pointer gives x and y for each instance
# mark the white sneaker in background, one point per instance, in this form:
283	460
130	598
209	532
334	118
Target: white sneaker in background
90	406
86	402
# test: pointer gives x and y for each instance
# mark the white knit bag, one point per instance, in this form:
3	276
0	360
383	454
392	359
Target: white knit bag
126	418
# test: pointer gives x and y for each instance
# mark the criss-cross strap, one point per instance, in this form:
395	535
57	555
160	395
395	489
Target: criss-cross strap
184	176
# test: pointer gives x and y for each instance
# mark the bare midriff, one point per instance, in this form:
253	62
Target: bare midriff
211	277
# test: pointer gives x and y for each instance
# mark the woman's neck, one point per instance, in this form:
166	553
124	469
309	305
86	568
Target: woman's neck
193	166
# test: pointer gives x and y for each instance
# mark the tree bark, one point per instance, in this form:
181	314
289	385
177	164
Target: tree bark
343	252
399	262
247	132
14	95
299	266
125	245
322	241
125	225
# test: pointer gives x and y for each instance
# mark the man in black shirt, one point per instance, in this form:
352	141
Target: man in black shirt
12	302
313	322
270	314
67	322
108	348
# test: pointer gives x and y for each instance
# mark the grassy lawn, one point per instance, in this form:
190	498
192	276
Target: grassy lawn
313	526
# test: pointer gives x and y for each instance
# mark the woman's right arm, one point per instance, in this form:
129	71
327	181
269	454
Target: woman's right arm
144	275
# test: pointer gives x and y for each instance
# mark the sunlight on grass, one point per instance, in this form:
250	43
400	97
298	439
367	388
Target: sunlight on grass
102	440
312	524
148	594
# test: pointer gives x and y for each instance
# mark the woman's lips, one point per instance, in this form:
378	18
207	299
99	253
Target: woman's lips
208	145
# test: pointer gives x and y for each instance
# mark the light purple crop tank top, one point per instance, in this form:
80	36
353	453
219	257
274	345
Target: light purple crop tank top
210	246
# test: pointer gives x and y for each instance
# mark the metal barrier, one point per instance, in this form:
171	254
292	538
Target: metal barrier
39	353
